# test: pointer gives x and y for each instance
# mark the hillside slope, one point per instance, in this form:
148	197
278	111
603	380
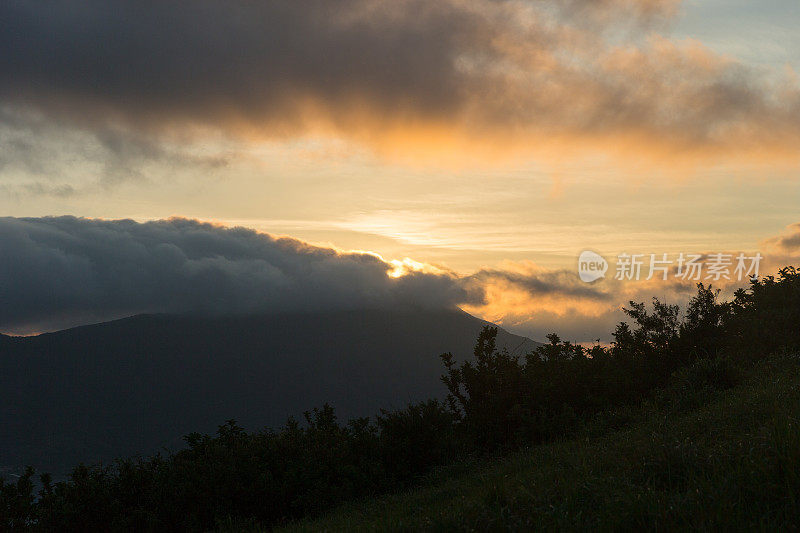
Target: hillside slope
691	459
135	385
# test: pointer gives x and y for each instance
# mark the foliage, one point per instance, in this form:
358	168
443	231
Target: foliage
729	464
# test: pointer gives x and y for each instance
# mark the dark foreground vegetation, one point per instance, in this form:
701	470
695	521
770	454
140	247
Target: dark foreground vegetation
688	459
688	419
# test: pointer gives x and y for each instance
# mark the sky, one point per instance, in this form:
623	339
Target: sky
476	145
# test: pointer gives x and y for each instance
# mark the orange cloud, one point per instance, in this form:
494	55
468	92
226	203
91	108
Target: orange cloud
451	81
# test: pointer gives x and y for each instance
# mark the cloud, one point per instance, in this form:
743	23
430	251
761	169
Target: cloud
537	282
534	301
64	271
789	241
400	75
41	157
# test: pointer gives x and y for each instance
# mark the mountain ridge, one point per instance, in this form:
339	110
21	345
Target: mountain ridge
137	384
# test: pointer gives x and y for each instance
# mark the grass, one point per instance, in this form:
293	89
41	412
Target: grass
691	458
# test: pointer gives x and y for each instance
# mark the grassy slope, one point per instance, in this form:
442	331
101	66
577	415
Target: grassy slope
727	459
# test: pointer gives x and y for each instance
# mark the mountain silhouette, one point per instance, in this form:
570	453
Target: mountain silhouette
136	385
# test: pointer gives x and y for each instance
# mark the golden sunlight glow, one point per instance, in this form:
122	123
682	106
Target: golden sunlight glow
407	266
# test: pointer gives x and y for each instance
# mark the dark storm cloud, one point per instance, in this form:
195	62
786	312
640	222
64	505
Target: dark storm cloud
65	271
156	61
491	70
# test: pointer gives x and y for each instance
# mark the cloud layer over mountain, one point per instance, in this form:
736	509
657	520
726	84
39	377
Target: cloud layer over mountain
58	272
64	271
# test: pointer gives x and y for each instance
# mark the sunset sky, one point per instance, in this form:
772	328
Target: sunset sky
486	142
